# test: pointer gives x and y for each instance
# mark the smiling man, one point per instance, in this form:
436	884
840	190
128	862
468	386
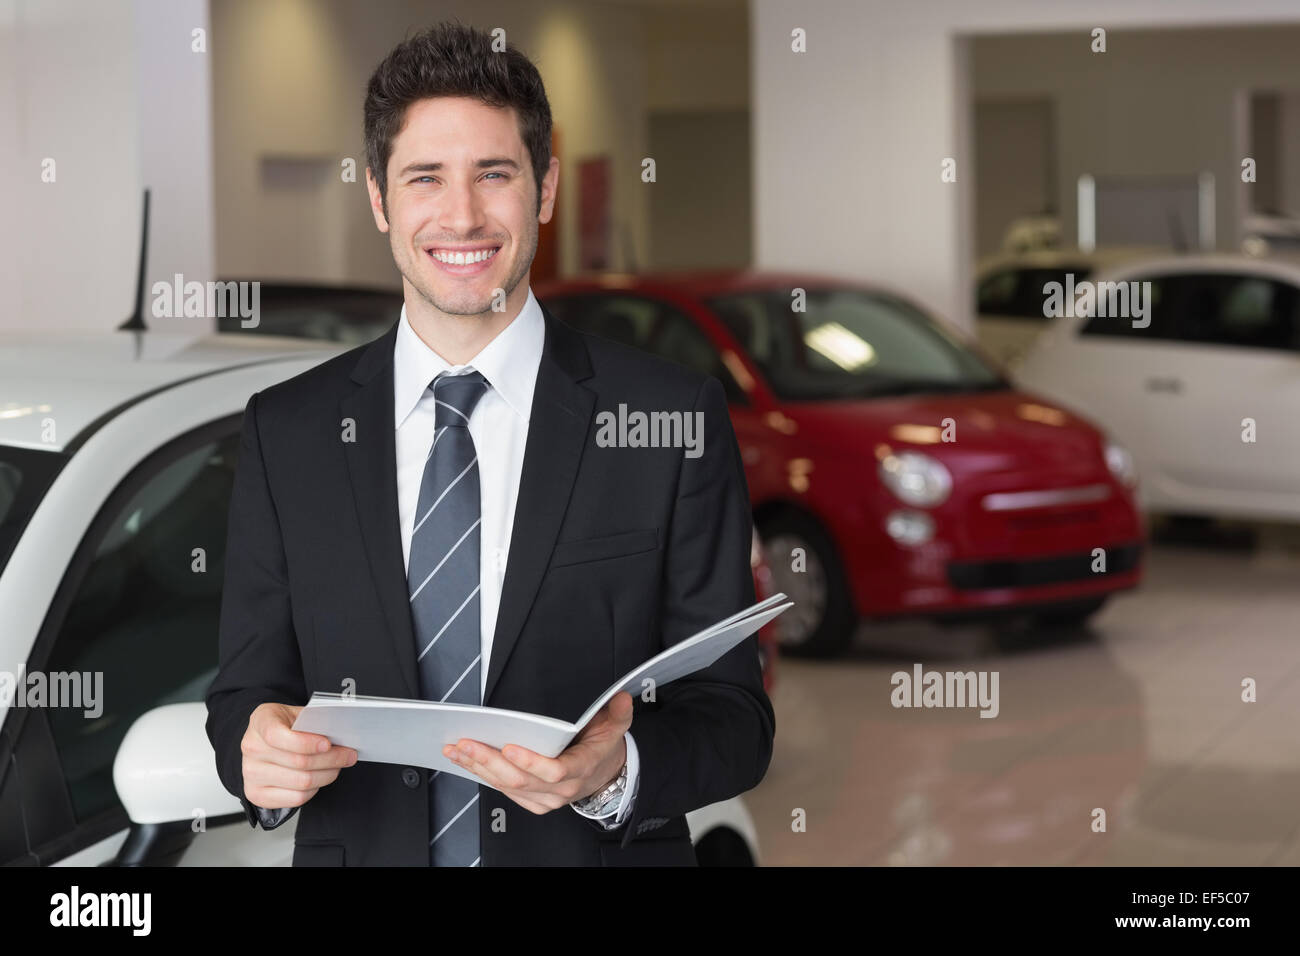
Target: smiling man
430	516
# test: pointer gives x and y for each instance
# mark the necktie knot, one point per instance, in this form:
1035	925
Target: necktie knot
456	396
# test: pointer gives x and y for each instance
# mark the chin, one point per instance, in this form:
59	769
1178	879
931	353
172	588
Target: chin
462	304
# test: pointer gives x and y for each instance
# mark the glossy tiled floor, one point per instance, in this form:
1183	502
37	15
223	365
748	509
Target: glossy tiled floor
1143	718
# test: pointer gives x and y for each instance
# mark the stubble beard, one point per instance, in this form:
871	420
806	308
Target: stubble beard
463	303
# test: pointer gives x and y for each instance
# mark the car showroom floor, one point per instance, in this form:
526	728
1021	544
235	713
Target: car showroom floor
1143	719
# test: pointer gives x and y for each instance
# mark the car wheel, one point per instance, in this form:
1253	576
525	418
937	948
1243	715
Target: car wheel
723	846
822	620
1069	616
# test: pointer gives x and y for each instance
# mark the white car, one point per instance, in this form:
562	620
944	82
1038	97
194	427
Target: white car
117	456
1204	388
1009	295
1032	233
1266	235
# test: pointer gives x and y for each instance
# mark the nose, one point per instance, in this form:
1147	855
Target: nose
461	210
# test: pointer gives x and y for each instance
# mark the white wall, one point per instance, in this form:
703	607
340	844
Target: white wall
111	93
1156	104
174	121
849	136
699	134
1288	175
1015	163
700	203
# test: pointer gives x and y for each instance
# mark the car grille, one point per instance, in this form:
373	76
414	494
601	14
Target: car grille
1036	572
1048	498
1052	519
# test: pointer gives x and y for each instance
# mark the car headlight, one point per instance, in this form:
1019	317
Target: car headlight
1121	464
911	528
916	479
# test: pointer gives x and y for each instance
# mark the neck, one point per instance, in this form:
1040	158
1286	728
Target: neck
458	338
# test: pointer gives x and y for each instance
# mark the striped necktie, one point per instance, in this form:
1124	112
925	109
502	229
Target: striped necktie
443	579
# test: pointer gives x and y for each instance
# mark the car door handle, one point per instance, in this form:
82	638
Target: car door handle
1172	386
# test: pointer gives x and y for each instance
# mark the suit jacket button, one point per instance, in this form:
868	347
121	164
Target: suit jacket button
411	777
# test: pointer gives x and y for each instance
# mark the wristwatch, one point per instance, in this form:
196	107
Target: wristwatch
607	798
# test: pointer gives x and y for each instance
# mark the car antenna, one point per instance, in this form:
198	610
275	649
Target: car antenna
135	323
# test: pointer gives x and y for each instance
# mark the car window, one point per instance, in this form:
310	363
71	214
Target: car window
1018	293
677	338
1245	311
347	316
628	320
745	317
650	325
997	293
849	343
144	612
1166	292
25	475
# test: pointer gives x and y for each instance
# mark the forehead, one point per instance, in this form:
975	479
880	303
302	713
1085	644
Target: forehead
451	129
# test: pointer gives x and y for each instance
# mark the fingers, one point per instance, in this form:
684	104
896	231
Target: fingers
529	804
560	784
261	774
536	803
492	766
614	718
273	723
336	757
285	768
488	763
270	737
620	706
549	769
533	802
281	737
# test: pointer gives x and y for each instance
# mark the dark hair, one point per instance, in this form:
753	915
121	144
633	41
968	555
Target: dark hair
452	59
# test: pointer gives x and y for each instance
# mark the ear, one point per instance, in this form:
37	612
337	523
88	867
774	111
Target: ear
376	202
550	182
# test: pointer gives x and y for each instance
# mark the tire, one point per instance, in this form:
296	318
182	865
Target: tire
723	846
822	621
1069	616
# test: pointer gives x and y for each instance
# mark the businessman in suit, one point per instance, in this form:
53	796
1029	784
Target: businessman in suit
432	516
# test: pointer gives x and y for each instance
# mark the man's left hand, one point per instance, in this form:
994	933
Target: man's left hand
541	784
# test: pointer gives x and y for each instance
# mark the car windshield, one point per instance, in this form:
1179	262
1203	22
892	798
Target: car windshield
848	343
25	476
346	315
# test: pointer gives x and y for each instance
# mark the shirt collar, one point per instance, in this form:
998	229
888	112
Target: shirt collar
509	362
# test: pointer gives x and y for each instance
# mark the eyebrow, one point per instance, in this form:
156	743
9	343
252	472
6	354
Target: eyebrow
480	164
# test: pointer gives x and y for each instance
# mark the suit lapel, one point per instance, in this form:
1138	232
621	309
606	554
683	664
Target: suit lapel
372	467
557	433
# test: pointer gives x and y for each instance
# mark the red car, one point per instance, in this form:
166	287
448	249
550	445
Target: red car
892	468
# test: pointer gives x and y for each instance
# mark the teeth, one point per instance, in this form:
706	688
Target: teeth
462	258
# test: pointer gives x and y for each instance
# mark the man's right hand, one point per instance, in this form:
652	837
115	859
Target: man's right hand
285	767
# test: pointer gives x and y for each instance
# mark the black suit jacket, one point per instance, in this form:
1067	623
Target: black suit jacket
615	554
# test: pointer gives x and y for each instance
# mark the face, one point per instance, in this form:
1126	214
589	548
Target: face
462	206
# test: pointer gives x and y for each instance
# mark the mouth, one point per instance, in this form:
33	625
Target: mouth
462	260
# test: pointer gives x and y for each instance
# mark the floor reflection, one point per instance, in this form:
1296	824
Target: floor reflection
1141	716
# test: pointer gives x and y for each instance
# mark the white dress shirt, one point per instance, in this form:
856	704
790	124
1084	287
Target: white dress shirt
498	425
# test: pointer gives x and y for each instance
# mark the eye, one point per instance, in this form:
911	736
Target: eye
498	174
423	178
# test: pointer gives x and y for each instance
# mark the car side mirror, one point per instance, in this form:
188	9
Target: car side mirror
165	775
